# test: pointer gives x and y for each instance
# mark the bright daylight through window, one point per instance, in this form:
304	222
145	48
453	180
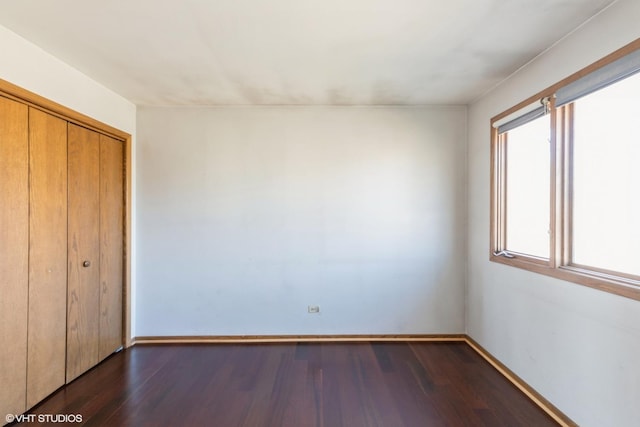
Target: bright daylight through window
606	178
566	178
527	166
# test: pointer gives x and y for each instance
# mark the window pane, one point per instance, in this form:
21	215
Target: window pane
606	184
528	171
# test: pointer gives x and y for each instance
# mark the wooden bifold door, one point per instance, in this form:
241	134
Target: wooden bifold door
47	255
61	252
95	248
14	254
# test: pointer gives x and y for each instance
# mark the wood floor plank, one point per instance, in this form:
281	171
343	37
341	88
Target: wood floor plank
308	384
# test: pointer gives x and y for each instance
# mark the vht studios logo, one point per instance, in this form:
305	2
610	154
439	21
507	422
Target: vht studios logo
44	418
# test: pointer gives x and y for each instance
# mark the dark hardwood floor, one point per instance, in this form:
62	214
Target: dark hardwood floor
305	384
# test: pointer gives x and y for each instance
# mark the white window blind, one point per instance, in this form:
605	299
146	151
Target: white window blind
602	77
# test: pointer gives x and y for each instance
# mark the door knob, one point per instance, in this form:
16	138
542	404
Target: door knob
87	263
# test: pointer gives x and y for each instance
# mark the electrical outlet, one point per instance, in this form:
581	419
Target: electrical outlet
312	309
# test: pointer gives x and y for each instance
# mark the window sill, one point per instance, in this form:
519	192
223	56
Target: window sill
628	288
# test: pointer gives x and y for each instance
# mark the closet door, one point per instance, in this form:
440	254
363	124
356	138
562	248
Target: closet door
83	299
47	255
111	244
14	254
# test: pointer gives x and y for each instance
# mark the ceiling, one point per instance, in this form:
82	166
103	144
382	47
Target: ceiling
296	52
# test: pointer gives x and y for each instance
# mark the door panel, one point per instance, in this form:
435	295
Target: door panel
111	244
83	299
47	255
14	254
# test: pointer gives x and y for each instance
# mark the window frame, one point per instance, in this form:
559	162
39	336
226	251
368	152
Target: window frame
559	264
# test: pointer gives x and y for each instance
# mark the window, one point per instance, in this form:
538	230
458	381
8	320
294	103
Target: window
608	140
527	166
566	178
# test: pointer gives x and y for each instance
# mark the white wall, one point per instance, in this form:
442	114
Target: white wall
248	215
31	68
577	346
